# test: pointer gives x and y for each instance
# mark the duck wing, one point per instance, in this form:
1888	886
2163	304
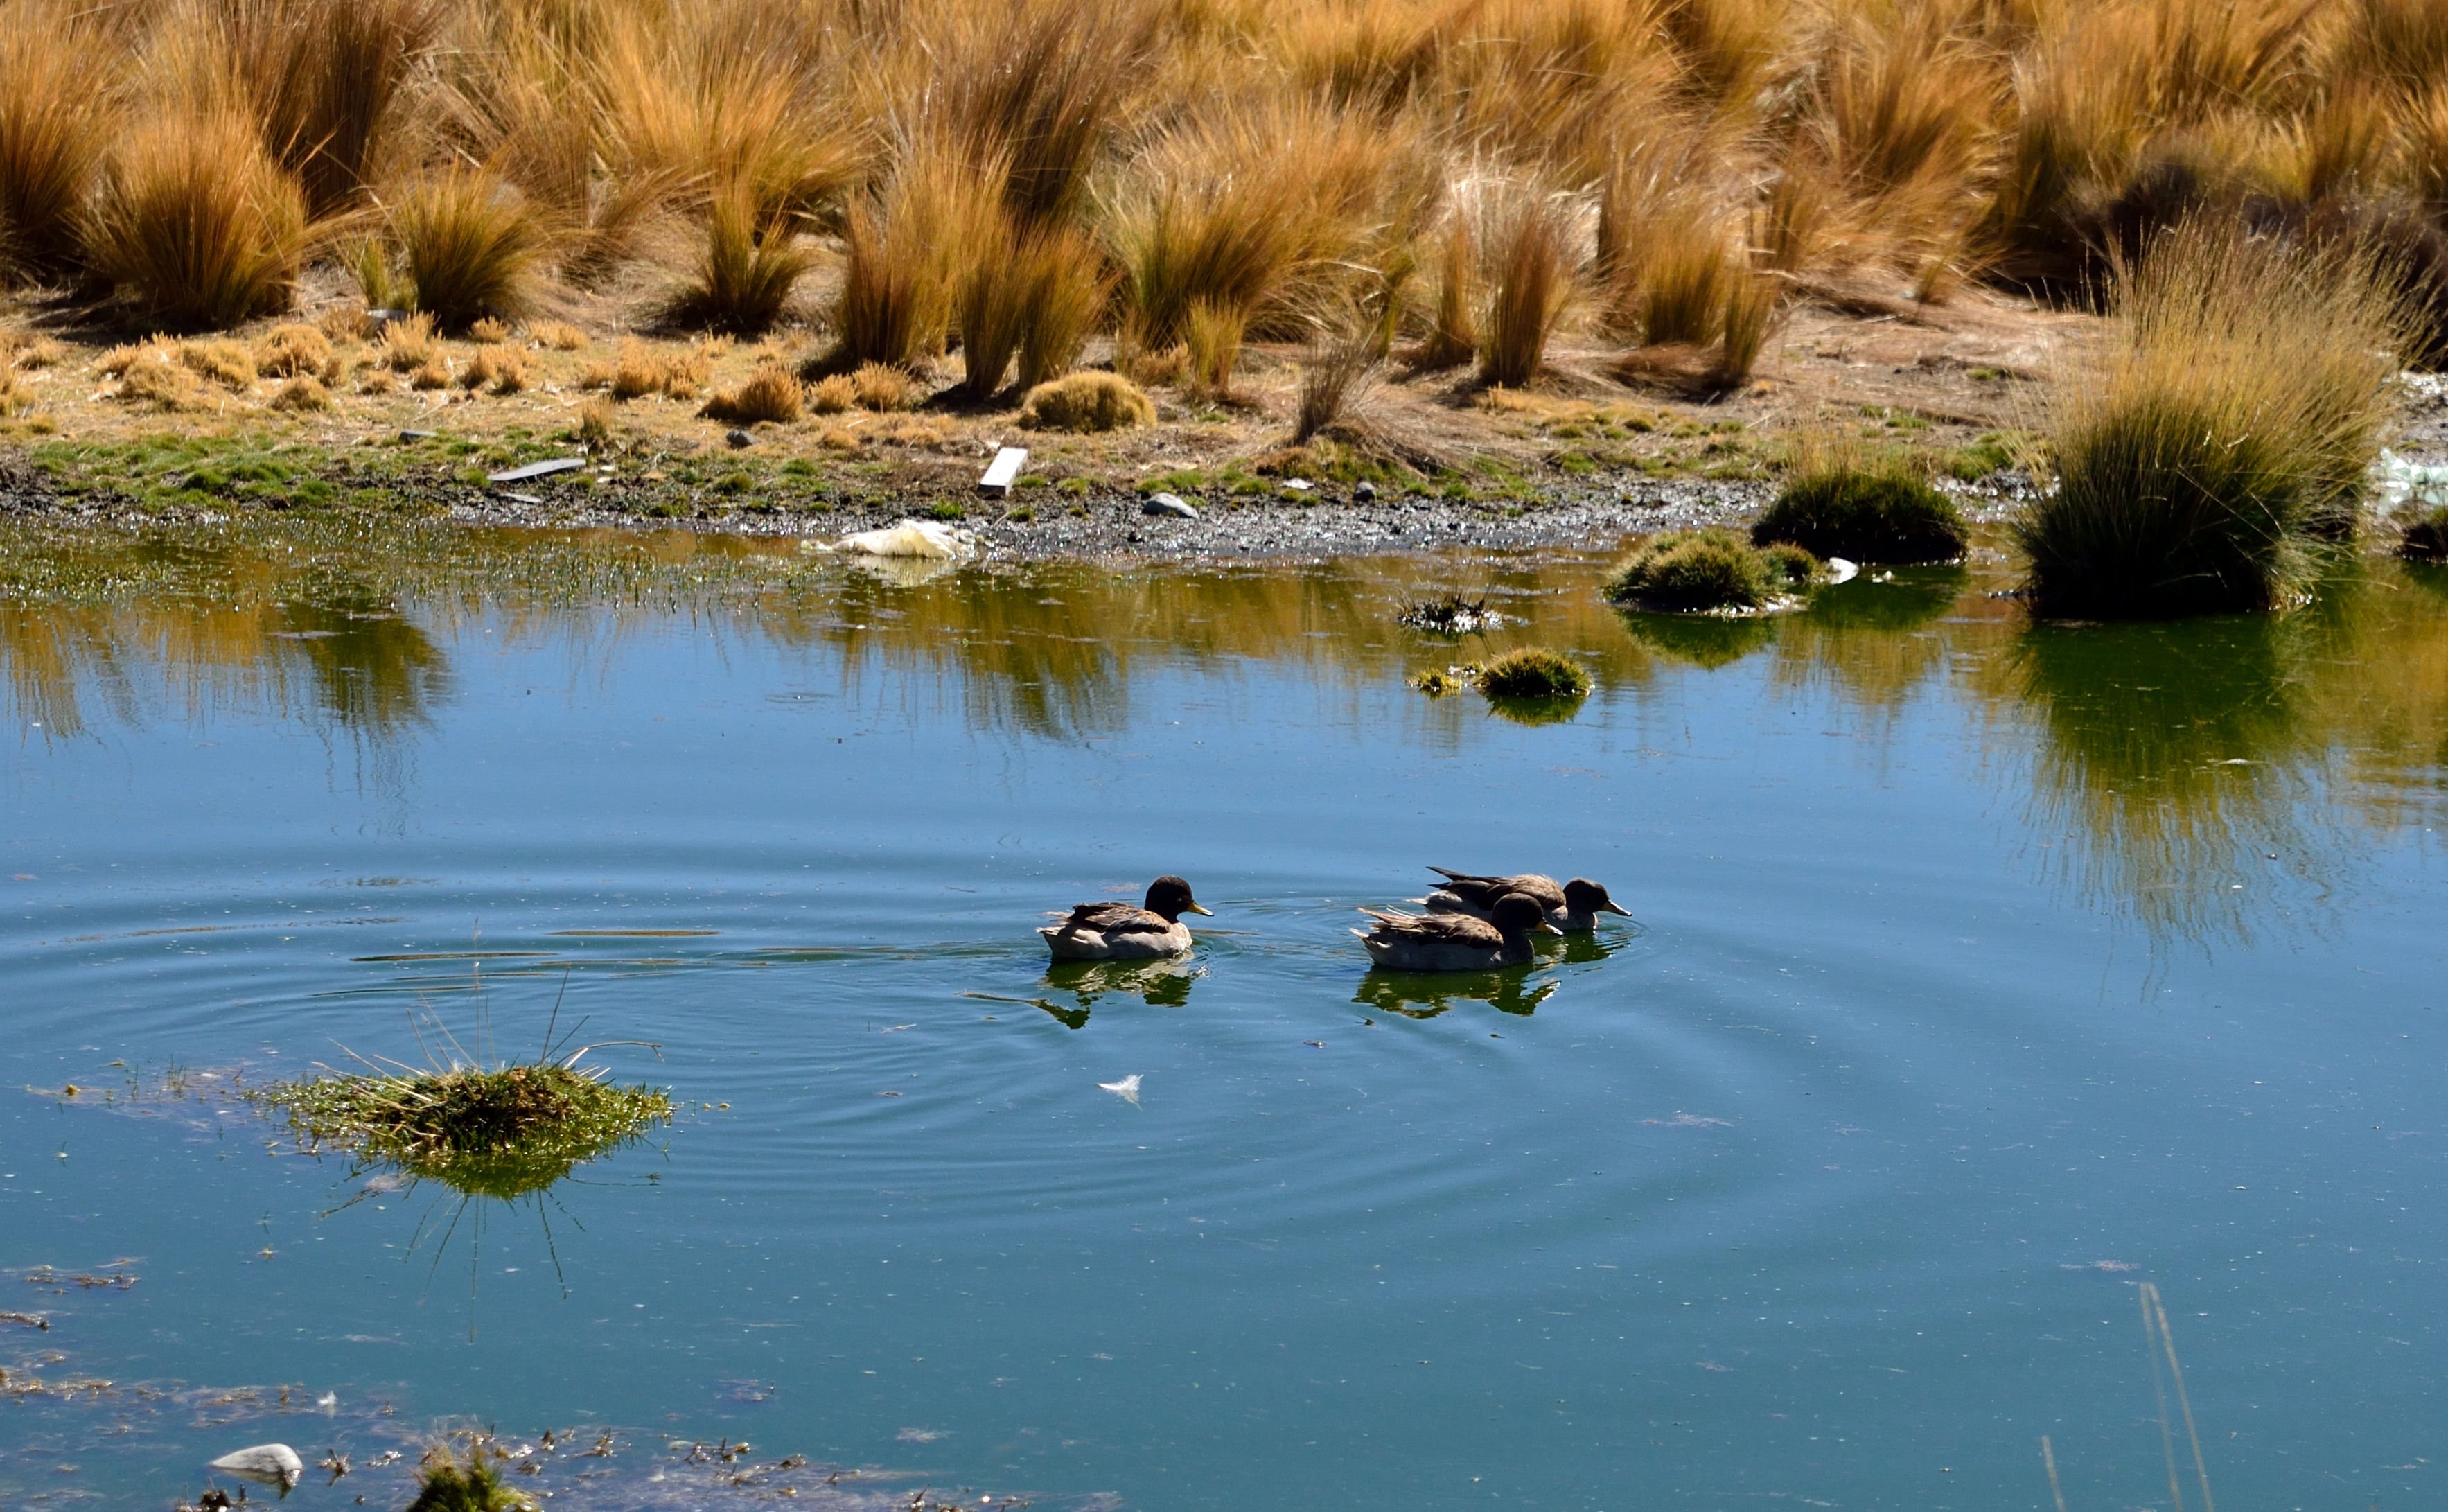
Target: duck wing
1467	893
1111	919
1435	929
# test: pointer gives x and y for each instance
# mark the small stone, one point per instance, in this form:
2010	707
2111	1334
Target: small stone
1168	504
739	438
1365	493
1299	484
418	435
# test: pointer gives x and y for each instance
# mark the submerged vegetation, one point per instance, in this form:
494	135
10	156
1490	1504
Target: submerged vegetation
498	1132
1709	571
1844	499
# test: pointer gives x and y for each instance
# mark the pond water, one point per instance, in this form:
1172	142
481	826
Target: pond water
1980	973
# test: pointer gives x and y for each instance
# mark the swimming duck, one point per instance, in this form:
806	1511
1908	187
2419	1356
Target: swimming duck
1455	942
1117	931
1573	908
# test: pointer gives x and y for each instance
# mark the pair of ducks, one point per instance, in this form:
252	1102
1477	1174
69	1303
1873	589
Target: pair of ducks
1473	924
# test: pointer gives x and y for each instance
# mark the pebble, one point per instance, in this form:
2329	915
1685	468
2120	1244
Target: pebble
1170	504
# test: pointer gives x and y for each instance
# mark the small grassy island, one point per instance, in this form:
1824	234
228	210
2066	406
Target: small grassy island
500	1132
1709	572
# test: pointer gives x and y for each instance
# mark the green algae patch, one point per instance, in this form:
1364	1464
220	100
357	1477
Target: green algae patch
501	1133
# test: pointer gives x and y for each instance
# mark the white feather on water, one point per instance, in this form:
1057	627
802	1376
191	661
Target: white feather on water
1127	1088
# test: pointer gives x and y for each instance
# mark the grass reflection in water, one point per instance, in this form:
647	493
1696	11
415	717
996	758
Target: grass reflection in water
2166	762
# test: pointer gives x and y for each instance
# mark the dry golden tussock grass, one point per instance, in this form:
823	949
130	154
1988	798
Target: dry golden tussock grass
1026	179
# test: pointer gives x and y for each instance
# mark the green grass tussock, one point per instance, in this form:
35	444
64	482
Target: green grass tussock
1087	401
2227	436
497	1132
1842	499
444	1484
1696	571
1531	673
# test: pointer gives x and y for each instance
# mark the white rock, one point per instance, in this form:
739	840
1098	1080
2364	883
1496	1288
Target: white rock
264	1464
1171	504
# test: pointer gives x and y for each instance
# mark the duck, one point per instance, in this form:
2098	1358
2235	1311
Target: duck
1572	908
1456	941
1117	931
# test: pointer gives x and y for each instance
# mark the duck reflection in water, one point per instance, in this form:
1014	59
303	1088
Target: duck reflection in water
1159	984
1425	994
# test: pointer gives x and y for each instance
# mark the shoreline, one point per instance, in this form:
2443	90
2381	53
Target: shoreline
1588	515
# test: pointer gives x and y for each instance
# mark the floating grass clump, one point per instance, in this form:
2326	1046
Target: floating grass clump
1533	672
496	1132
1709	571
444	1484
2227	437
1842	499
1450	614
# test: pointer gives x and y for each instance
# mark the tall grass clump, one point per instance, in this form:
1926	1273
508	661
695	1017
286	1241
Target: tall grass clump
1066	291
906	245
1529	277
2226	432
324	81
745	270
470	246
1341	367
1844	498
991	311
194	224
55	110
